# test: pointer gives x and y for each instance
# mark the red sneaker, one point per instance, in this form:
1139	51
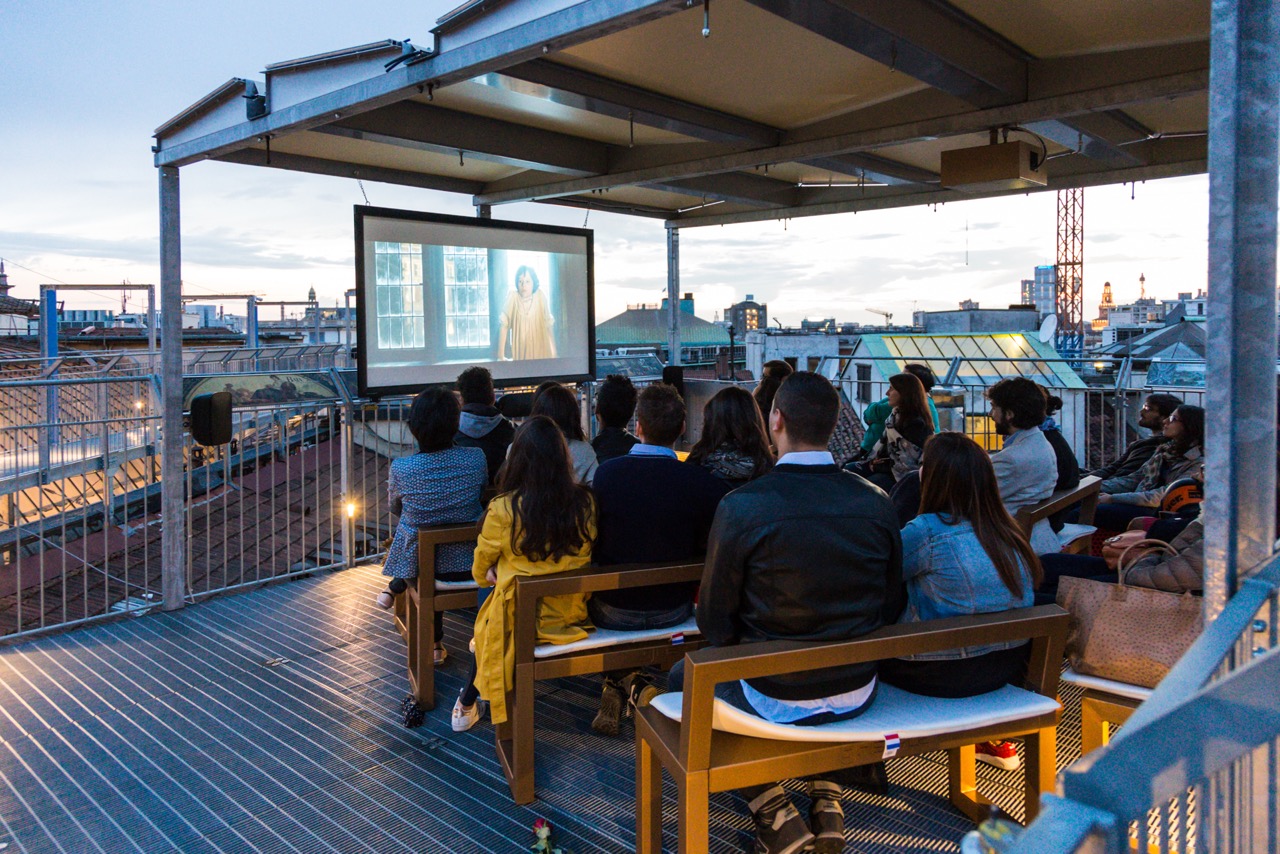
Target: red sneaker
1001	754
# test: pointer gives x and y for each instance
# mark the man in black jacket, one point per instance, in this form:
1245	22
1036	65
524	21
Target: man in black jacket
1155	410
482	425
807	552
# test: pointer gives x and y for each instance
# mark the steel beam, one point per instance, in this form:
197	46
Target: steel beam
572	87
673	296
173	548
558	30
876	169
741	187
340	169
428	128
1244	131
1059	106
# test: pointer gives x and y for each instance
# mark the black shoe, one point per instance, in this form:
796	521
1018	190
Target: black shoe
779	827
639	691
611	701
826	817
872	779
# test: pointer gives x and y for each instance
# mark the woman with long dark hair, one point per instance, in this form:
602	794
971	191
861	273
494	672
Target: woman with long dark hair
561	406
907	428
964	554
543	521
439	485
1181	455
734	445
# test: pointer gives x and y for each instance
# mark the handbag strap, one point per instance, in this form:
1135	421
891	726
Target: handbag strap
1145	545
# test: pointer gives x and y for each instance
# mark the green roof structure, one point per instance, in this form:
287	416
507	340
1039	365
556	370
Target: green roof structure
642	327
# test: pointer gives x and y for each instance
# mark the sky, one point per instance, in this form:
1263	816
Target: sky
85	84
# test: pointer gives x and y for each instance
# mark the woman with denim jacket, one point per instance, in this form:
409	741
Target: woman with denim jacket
963	555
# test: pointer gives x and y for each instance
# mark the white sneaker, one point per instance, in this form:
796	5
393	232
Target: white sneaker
465	718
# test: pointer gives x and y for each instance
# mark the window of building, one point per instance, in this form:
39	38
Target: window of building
398	272
864	383
466	297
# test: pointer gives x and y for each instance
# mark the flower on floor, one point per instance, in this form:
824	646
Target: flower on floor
545	845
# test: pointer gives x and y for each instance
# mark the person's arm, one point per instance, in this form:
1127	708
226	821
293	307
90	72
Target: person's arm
1125	482
1176	573
895	598
915	549
722	579
933	410
874	416
495	530
394	500
1003	464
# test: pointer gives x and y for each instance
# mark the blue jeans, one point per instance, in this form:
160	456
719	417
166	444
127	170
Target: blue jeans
606	616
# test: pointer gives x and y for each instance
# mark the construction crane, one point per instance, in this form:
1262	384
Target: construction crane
1069	274
888	316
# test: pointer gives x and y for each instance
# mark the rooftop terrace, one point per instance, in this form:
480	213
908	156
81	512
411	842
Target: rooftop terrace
269	721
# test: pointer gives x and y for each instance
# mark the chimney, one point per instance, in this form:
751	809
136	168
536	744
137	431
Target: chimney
4	281
686	303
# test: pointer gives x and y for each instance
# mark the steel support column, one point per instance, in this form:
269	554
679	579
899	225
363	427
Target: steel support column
1241	396
673	296
173	571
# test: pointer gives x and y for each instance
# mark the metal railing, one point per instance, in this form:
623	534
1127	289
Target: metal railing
1195	767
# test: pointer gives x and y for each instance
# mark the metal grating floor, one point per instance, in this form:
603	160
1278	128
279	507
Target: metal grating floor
269	721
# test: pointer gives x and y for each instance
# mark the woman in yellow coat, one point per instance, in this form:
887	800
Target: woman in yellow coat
542	522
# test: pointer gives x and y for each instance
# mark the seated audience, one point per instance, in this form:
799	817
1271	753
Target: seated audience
1155	410
733	445
876	413
1181	572
1068	466
963	555
773	373
561	406
1026	467
906	428
806	552
615	404
653	508
481	425
542	522
1138	494
439	485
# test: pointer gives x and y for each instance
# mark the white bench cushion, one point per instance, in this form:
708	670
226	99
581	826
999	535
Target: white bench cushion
1106	686
608	637
1073	531
893	711
456	585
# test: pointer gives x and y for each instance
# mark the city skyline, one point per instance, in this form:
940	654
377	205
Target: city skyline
80	192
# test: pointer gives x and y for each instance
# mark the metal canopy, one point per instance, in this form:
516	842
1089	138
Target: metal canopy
788	108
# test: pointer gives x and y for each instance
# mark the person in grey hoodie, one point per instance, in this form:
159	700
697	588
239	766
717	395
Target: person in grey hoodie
482	425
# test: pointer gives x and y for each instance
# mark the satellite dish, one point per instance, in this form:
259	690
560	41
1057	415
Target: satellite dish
1048	328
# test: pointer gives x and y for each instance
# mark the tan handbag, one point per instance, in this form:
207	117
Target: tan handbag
1129	634
1114	547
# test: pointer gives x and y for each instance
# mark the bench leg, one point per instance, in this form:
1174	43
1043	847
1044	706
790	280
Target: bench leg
520	712
1093	729
648	799
695	806
1042	768
962	774
423	634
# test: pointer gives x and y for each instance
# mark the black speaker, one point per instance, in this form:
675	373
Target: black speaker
674	375
517	404
211	418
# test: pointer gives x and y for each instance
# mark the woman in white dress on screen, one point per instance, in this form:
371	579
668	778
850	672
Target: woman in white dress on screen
528	319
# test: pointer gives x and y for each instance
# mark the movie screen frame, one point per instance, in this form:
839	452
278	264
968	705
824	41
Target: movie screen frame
363	212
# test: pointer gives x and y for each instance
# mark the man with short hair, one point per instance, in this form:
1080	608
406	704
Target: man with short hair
615	404
651	508
1026	466
482	425
1156	409
806	552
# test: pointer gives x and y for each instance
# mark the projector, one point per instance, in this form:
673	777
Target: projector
1005	166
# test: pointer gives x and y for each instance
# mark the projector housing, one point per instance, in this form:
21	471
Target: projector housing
1005	166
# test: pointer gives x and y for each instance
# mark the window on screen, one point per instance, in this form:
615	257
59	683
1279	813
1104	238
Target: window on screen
401	324
466	297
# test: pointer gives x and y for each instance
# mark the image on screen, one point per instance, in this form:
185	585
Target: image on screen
438	293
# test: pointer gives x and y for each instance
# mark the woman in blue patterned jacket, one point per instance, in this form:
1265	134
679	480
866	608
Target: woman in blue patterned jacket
439	485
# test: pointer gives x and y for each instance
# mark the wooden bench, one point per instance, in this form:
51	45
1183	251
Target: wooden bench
704	760
534	662
1085	494
1105	703
416	609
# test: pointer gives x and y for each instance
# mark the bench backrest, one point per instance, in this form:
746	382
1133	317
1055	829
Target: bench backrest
592	579
429	538
1085	494
1045	626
